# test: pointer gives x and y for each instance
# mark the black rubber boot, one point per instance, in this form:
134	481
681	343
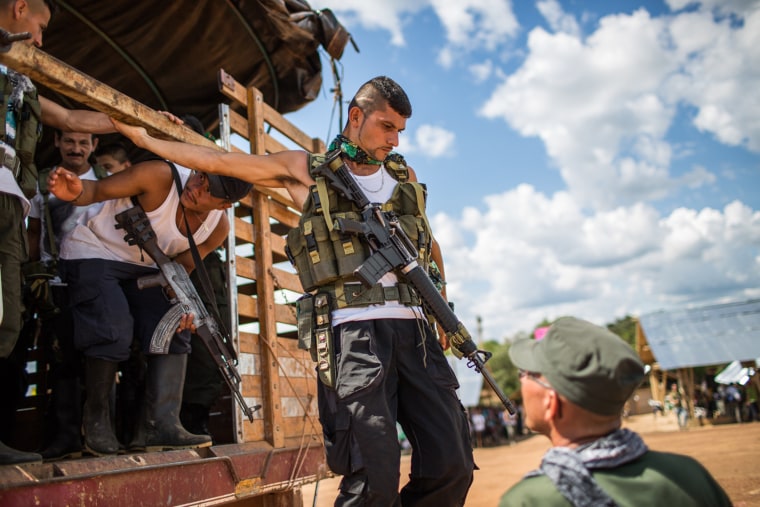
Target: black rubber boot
194	417
137	443
99	438
10	456
163	398
67	407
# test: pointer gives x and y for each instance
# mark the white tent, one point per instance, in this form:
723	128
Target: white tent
734	373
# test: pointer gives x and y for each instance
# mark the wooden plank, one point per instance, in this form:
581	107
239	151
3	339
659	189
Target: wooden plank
231	89
248	307
289	130
283	214
235	91
272	145
60	77
249	343
244	230
263	261
286	280
245	268
238	124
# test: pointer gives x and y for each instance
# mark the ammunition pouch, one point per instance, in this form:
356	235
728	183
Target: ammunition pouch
322	255
315	334
305	317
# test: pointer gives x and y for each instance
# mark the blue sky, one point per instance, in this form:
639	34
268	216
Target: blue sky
586	158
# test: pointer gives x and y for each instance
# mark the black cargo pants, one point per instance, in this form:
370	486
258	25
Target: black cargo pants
392	370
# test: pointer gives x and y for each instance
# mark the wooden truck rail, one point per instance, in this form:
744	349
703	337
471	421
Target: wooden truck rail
266	461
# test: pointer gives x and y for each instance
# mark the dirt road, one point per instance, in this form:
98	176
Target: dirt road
730	452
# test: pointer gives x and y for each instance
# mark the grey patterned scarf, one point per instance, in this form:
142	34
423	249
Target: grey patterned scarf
21	84
569	469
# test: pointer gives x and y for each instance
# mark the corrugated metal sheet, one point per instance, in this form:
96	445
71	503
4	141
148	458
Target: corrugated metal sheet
704	336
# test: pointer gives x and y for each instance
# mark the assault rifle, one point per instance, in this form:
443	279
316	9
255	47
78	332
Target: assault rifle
185	299
394	251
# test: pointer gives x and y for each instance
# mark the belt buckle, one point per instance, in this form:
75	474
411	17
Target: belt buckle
391	293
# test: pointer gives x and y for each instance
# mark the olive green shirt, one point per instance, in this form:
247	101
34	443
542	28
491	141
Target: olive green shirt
655	479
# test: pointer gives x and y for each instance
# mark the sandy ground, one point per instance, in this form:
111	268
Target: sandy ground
731	452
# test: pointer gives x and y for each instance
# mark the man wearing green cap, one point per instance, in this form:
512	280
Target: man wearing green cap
574	383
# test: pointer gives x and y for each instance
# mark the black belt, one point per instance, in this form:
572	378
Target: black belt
10	162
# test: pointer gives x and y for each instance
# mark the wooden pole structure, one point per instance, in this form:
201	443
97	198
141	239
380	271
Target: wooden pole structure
65	79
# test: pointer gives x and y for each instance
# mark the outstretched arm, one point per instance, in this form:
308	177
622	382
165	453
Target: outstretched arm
286	169
150	180
74	120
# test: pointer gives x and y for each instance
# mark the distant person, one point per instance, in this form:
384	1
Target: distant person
675	402
113	157
574	384
478	421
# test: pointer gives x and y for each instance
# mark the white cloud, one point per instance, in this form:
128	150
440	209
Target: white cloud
468	24
604	105
721	67
430	141
476	23
388	15
557	18
535	256
481	71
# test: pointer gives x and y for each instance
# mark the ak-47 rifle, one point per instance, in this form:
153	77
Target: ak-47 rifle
394	251
185	299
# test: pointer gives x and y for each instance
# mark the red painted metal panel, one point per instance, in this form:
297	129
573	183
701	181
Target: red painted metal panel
173	478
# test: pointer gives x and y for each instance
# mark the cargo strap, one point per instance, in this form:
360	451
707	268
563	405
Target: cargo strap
355	294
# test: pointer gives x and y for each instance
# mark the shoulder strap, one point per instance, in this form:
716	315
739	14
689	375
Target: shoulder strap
199	266
316	160
396	167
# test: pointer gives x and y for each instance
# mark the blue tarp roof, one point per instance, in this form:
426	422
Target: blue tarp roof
704	336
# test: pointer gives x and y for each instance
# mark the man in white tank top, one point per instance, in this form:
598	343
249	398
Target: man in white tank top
388	365
101	270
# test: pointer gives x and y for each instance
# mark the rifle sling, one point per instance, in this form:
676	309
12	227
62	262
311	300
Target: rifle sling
199	266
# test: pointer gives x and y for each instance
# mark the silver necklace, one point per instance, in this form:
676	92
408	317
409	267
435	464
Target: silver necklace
371	191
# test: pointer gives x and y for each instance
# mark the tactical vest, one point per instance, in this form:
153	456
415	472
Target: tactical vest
326	259
28	134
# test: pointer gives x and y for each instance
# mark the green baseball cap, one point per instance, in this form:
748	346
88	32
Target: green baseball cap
587	364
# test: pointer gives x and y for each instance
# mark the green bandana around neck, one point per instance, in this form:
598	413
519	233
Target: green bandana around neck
352	150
